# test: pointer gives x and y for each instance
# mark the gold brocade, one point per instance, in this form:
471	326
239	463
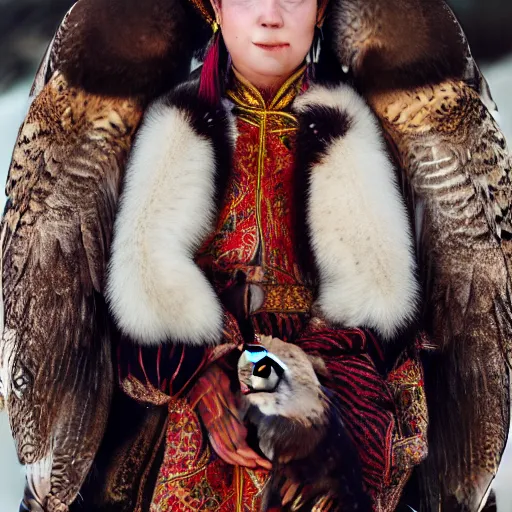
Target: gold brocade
285	299
255	233
193	478
144	393
252	107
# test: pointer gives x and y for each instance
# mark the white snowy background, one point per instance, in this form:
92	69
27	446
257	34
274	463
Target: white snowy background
13	105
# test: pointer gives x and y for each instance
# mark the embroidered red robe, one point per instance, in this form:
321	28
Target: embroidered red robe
253	261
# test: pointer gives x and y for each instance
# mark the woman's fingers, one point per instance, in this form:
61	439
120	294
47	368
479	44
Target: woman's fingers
243	455
219	412
230	439
249	453
229	456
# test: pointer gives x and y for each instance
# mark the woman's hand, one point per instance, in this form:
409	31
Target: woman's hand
218	410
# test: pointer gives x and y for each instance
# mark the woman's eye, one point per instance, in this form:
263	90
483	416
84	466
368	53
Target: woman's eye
291	2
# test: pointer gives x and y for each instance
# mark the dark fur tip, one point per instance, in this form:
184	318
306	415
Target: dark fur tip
207	120
415	43
319	127
210	122
126	48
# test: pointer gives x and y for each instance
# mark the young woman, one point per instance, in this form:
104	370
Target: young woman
257	201
258	261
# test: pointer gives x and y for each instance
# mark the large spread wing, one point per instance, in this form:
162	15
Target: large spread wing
458	167
413	64
106	62
62	190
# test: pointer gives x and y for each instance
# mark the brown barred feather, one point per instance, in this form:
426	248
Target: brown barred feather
457	165
63	187
107	61
411	60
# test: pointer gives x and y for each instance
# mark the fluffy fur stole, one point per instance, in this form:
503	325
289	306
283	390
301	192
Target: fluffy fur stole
358	228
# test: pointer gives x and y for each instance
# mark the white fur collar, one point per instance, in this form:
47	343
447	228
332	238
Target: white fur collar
358	226
357	220
167	208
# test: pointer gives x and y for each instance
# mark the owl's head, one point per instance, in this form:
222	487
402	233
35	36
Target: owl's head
259	370
279	379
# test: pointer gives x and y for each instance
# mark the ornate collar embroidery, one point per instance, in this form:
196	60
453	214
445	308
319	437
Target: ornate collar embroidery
252	107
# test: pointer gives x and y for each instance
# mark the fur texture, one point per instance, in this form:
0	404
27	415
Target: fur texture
155	290
358	226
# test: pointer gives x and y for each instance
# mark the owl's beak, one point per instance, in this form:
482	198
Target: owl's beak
244	388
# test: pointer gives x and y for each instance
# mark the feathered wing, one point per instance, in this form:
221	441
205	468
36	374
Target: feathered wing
431	101
62	191
63	186
458	167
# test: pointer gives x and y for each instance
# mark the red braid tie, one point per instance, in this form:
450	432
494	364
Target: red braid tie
209	82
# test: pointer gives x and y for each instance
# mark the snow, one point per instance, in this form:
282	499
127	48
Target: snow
499	77
13	106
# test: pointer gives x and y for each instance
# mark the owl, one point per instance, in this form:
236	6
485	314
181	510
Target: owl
298	427
88	98
413	63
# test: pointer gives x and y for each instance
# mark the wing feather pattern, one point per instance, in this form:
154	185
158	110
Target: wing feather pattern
458	166
63	186
107	61
412	62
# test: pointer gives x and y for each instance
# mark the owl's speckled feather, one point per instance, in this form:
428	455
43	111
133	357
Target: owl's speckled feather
107	61
458	167
56	366
435	108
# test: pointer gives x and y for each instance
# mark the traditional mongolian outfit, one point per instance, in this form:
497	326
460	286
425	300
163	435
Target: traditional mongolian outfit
279	215
252	259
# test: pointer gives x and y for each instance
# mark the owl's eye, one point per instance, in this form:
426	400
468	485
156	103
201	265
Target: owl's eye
20	380
21	383
262	370
266	375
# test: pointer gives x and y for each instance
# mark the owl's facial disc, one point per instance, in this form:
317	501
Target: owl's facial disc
265	370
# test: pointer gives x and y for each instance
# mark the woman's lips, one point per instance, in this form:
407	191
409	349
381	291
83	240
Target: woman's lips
272	46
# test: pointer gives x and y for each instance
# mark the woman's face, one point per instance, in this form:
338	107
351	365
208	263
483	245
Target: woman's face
267	39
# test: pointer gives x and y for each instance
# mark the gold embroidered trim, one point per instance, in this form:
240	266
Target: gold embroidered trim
252	108
285	298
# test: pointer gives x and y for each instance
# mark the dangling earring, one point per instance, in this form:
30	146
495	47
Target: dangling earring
314	52
317	44
209	82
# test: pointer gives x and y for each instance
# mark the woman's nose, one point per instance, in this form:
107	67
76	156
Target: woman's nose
270	14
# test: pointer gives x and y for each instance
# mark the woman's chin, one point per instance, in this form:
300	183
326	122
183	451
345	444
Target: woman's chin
268	71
